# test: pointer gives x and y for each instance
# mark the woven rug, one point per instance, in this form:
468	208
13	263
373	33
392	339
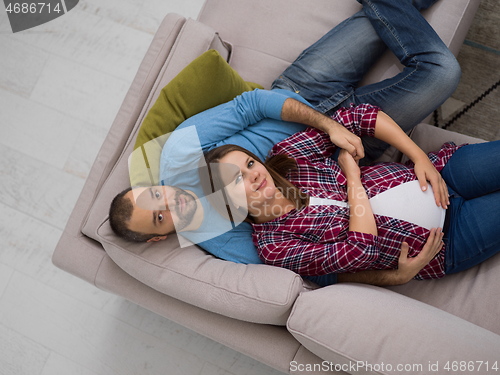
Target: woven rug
474	108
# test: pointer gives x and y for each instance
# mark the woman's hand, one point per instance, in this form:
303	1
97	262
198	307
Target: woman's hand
408	268
388	131
348	164
361	218
426	172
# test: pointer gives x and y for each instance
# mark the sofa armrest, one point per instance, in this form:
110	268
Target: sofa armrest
431	138
350	324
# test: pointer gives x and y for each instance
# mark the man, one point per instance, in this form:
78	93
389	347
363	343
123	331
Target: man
326	75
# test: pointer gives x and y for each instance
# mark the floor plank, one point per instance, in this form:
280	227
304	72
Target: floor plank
79	91
42	133
57	364
37	189
20	355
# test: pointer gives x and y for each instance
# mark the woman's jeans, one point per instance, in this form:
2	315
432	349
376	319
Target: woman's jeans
473	231
327	73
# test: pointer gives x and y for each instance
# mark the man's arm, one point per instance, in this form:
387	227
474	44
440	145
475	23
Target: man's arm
227	123
408	268
259	119
248	109
295	111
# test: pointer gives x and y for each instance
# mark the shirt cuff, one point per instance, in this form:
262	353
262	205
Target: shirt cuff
323	280
364	238
368	119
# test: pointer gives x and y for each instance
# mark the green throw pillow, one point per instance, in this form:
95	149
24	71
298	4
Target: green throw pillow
205	83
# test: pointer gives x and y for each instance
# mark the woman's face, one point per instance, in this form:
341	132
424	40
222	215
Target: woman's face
249	184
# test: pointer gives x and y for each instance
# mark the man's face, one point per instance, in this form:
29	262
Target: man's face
161	209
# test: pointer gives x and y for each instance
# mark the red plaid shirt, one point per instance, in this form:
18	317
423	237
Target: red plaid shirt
316	240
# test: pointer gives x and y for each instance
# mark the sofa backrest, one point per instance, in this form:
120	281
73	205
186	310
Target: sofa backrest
267	35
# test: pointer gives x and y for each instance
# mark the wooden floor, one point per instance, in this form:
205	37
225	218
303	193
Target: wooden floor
60	87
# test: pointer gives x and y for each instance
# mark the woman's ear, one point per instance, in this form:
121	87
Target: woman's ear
157	238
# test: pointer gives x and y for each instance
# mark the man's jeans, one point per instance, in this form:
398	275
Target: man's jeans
473	178
327	73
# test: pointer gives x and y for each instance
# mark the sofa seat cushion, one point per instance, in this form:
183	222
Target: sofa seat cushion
366	329
255	293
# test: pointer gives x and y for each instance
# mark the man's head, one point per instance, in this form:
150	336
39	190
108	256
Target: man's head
147	214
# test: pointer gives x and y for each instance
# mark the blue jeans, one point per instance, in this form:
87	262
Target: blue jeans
473	219
327	73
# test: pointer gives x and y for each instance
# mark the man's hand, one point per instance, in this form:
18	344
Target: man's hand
343	138
296	111
408	268
426	172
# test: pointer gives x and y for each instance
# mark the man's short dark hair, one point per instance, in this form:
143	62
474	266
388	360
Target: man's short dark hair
120	213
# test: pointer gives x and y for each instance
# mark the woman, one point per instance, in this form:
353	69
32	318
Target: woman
295	230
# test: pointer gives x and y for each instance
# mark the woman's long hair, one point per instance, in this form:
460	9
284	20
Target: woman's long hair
278	166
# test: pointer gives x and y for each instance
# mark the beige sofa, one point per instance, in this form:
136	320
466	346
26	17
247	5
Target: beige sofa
268	313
